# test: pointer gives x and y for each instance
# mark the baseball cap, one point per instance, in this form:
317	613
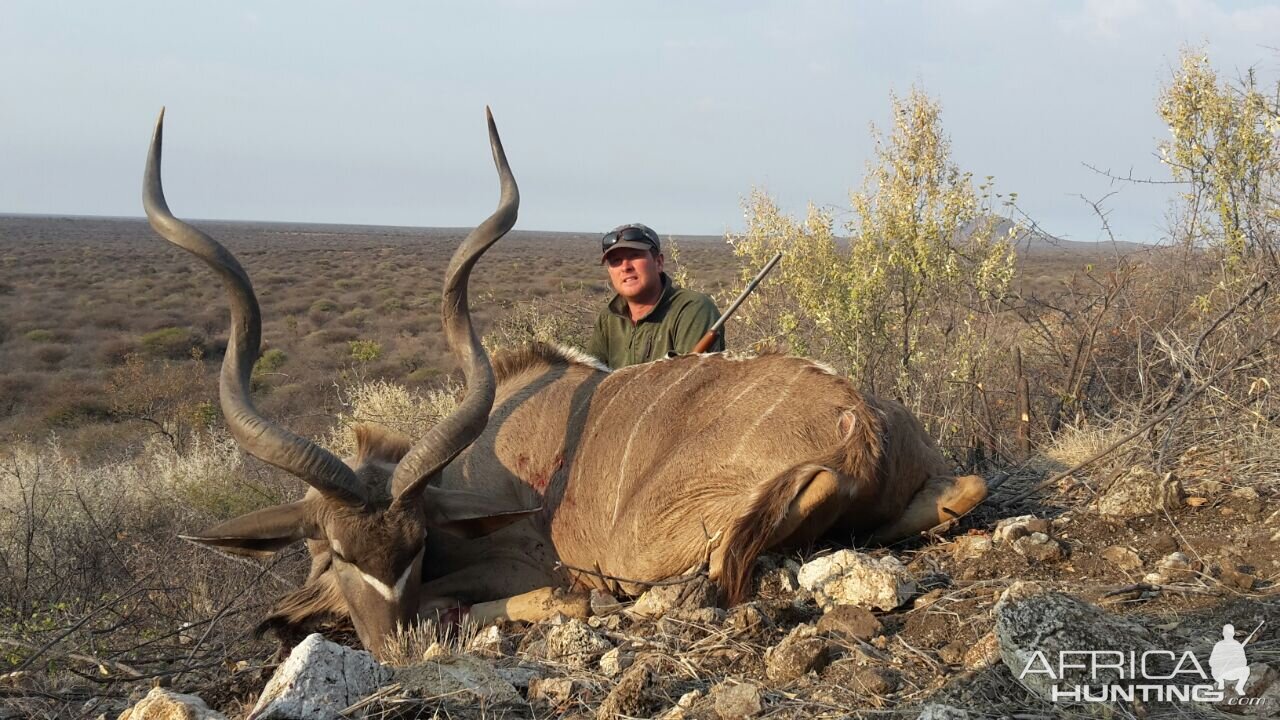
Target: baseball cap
632	235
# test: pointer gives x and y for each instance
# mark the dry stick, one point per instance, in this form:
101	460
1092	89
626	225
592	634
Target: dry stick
1147	426
79	657
223	610
133	590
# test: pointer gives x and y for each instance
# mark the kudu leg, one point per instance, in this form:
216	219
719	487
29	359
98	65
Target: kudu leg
941	499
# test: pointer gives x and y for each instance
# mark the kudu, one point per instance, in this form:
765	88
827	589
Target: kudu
626	477
365	518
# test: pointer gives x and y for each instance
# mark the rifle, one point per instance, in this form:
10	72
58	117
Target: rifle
705	343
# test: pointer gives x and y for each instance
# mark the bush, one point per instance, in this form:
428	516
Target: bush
39	336
171	342
364	351
270	361
393	406
52	355
906	308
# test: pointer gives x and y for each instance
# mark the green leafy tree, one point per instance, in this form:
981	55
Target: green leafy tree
897	305
1223	145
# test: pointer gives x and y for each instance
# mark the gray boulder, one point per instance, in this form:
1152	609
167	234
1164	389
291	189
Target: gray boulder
1034	626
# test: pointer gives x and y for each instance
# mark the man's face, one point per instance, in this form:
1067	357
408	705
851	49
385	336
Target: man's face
635	274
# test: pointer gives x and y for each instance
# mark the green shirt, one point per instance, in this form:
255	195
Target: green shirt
673	327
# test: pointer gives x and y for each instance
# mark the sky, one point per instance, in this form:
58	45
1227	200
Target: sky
667	113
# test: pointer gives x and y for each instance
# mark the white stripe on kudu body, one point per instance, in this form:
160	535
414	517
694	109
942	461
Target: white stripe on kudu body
746	436
392	594
639	422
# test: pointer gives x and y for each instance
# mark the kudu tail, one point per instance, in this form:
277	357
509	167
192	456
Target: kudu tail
804	501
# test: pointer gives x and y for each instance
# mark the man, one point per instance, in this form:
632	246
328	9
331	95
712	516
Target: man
649	318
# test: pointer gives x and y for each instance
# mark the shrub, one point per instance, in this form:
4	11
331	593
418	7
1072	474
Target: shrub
171	342
52	355
905	307
391	405
39	335
115	350
76	411
364	351
270	361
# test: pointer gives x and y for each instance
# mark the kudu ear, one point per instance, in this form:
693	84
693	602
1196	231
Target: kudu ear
468	514
261	532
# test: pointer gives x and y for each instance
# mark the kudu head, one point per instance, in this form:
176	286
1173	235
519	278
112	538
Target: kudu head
373	511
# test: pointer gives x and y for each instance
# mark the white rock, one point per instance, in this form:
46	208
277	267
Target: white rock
1174	567
575	644
852	578
615	661
697	592
491	641
1140	492
319	680
162	704
1009	530
971	547
462	679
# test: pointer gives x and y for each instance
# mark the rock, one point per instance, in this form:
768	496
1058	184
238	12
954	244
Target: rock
1163	543
1039	548
778	581
554	691
747	617
462	679
797	654
1122	558
878	681
1009	530
162	704
1140	492
971	547
575	644
631	697
737	700
697	592
850	621
1261	677
1230	575
934	711
984	653
1172	568
953	652
491	641
614	662
521	675
612	623
851	578
1035	625
319	679
602	603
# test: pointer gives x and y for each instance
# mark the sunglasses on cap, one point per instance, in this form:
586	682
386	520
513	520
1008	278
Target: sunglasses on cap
629	234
